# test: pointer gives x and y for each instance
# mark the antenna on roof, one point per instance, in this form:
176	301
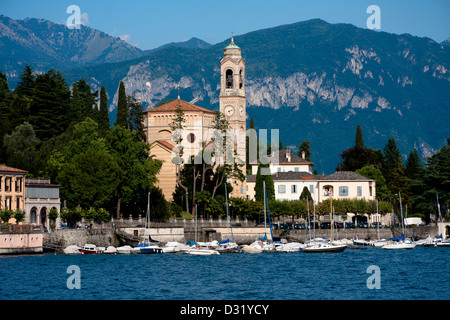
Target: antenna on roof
178	93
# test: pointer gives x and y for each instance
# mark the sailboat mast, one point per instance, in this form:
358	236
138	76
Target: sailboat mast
228	215
331	219
265	225
378	222
401	212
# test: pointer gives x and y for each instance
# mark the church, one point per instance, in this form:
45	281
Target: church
198	121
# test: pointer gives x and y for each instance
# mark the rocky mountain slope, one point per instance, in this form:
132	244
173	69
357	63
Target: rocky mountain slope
311	80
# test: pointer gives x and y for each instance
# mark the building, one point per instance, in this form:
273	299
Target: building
40	197
285	161
340	185
199	122
12	189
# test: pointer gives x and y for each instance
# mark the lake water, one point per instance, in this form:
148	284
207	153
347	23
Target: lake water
418	274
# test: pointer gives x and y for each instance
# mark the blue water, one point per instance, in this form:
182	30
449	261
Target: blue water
418	274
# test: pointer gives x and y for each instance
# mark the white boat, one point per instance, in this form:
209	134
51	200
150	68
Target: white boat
378	243
289	247
124	249
110	250
361	242
202	251
443	243
174	247
331	246
325	247
72	249
250	249
399	245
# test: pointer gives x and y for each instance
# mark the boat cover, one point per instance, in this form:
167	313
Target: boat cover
224	241
398	238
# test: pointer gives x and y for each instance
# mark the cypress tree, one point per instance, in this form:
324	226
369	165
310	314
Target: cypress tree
122	107
103	113
359	141
26	83
392	158
76	114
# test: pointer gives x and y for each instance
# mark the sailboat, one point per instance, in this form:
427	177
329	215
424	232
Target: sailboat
379	242
400	242
326	247
196	248
227	245
151	246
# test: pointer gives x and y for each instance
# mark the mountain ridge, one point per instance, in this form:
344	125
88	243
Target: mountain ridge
312	80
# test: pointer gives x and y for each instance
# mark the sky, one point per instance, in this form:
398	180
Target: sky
148	24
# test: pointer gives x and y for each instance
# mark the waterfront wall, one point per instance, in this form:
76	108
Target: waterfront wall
106	236
21	243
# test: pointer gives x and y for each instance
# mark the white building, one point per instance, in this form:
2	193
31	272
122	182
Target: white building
291	174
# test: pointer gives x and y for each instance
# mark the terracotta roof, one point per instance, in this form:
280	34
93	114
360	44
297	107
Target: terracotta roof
185	106
164	143
10	169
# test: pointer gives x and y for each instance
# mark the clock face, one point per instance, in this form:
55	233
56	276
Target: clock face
229	111
241	111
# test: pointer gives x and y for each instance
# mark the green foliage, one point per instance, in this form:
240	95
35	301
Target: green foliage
382	191
53	214
103	121
304	147
263	175
359	141
21	147
6	214
122	106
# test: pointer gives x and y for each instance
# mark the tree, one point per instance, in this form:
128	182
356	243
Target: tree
21	146
88	100
26	83
50	105
359	141
137	170
358	156
103	122
306	195
135	117
90	179
122	107
263	175
304	147
392	159
76	106
382	191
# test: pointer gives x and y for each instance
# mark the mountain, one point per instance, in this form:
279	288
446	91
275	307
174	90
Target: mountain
192	43
45	45
312	80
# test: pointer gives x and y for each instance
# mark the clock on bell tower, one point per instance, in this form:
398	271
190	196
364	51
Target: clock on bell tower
233	103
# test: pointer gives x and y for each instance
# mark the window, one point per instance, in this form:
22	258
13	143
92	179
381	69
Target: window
229	79
242	190
296	169
281	188
359	191
7	184
241	80
1	183
293	188
343	191
311	188
279	169
18	203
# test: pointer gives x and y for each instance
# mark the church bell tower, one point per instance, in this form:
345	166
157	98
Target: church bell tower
233	104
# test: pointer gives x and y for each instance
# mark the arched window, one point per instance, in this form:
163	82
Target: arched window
229	79
241	80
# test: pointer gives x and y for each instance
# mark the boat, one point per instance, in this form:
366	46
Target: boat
445	243
226	246
250	249
289	247
361	242
202	251
110	250
72	249
124	249
149	249
400	242
330	246
174	247
89	249
325	247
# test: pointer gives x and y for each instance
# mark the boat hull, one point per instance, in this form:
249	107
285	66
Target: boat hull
151	250
325	248
406	246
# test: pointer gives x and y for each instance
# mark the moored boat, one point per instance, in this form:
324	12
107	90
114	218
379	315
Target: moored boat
89	249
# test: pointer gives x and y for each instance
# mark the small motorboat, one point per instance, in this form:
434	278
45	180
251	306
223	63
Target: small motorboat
110	250
124	249
90	249
72	249
399	245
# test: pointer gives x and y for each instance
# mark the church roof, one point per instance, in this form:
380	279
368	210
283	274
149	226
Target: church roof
232	45
185	106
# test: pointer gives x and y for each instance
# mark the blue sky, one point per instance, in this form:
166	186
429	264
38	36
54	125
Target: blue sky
150	23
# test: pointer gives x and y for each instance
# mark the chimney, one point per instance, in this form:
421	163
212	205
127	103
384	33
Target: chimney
303	154
288	155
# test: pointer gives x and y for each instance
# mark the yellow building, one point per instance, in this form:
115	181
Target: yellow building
12	188
199	121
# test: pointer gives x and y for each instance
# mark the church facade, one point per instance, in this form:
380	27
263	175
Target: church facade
199	122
